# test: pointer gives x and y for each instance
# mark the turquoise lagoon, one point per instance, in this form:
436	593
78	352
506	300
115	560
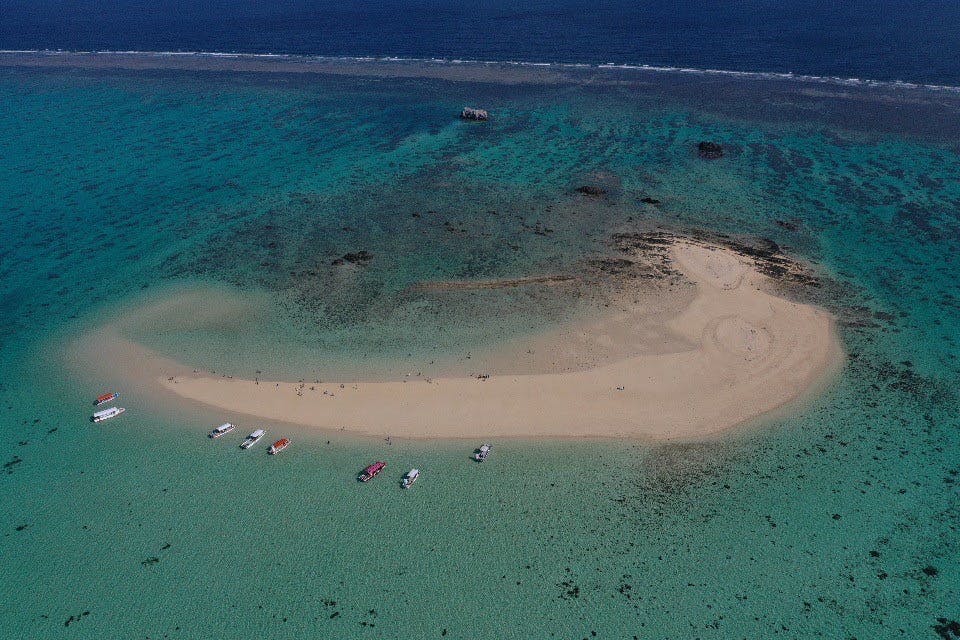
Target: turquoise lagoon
838	520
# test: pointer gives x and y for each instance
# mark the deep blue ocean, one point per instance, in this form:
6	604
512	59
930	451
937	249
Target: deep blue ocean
910	40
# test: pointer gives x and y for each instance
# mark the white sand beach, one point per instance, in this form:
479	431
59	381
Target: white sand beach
727	352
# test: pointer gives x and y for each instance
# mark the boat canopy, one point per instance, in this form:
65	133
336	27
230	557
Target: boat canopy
224	427
413	472
105	412
257	433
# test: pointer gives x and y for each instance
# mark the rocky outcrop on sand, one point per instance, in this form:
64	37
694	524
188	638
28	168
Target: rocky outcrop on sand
498	283
766	255
470	113
591	190
358	258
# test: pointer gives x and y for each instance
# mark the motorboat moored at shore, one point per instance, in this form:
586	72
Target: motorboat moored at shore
410	478
483	452
105	398
370	472
279	446
106	414
252	439
225	428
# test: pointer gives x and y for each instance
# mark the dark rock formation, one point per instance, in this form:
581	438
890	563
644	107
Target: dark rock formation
469	113
947	629
591	190
359	257
649	200
710	150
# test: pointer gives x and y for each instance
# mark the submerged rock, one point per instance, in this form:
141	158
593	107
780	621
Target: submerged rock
358	257
710	150
469	113
591	190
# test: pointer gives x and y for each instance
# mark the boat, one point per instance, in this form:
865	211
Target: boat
370	472
105	398
226	427
483	452
252	439
106	414
410	478
279	446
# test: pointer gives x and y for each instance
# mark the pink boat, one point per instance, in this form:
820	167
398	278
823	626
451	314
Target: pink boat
370	472
105	398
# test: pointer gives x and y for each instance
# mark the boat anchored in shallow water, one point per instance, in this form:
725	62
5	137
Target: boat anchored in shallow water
410	478
225	428
278	446
483	452
105	398
371	472
252	439
106	414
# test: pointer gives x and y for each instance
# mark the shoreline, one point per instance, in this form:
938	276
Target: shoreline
727	353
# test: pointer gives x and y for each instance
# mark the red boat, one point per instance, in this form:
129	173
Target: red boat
370	472
279	446
105	398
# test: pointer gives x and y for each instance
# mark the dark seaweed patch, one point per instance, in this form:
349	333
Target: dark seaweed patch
75	618
11	464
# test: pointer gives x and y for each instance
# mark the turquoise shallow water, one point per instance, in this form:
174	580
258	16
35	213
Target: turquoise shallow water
840	521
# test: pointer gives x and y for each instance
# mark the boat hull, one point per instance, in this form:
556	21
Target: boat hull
278	446
483	453
222	430
371	472
107	414
105	398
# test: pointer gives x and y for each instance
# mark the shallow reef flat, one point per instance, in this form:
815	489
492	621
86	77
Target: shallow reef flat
125	188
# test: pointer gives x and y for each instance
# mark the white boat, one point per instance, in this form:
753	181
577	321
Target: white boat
410	478
106	414
251	439
483	452
226	427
